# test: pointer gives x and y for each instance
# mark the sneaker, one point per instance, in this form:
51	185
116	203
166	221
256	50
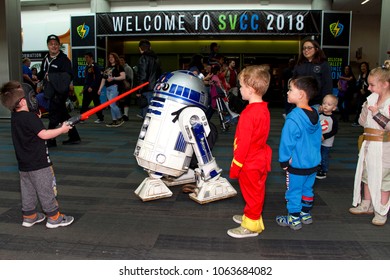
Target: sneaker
125	118
62	221
99	121
241	232
119	122
379	220
237	219
365	207
355	124
321	175
29	222
306	218
289	221
115	123
71	142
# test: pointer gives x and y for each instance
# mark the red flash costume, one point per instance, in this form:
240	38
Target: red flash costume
252	161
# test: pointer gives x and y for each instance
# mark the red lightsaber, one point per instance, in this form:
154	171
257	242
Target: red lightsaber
73	120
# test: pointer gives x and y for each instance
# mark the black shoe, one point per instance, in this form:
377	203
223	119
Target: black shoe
51	143
321	175
125	118
71	142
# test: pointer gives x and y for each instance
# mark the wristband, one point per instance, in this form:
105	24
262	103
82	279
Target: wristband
381	119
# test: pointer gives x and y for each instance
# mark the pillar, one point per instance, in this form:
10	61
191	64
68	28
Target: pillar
10	44
384	37
100	6
324	5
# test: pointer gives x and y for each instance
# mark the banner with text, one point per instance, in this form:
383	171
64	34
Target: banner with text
209	23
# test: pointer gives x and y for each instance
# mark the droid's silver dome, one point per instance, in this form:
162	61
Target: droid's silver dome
184	87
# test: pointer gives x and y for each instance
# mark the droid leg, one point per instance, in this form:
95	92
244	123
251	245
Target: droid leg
152	188
186	178
214	189
210	186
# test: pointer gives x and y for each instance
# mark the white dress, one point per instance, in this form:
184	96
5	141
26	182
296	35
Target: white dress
375	155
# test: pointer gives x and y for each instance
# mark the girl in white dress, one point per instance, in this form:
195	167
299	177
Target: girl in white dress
373	168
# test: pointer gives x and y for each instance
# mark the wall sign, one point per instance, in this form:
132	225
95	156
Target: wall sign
209	23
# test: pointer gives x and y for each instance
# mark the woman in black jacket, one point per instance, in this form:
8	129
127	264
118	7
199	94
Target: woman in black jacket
312	62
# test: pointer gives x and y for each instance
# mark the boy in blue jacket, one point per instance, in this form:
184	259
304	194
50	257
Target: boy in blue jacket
299	153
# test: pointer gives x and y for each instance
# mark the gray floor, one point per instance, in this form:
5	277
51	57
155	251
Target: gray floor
97	179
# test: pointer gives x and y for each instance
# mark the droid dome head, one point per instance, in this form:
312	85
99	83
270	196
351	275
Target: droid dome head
183	87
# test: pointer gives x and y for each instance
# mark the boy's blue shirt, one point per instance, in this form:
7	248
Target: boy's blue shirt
300	142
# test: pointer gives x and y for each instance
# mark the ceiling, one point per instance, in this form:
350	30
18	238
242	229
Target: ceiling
373	7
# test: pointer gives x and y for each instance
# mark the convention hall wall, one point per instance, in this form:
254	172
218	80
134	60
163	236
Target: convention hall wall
364	33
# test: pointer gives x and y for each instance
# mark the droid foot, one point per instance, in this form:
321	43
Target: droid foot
186	178
152	189
212	191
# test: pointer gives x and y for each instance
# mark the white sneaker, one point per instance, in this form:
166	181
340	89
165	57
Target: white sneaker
365	207
62	221
237	219
379	220
98	121
241	232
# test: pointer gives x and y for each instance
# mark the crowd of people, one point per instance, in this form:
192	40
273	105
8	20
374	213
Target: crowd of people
307	136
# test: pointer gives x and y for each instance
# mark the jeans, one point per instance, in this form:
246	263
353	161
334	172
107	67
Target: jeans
149	97
112	92
325	158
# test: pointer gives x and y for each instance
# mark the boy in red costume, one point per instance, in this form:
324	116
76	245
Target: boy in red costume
252	156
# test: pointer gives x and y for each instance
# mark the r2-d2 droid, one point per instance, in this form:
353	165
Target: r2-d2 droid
175	127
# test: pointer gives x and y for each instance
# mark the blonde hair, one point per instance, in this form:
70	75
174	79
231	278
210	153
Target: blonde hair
382	72
25	59
333	97
256	77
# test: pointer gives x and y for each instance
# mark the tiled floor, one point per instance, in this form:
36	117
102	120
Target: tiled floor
96	182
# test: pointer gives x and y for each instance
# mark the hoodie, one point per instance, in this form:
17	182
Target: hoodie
300	144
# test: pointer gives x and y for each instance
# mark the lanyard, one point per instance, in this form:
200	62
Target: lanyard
48	63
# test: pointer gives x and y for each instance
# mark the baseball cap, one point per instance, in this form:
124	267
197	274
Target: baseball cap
53	37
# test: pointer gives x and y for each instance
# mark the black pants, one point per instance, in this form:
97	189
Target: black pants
58	114
87	98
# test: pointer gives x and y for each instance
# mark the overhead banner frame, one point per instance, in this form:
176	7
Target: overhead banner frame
236	22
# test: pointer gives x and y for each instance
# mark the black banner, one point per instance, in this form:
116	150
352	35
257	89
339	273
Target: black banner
209	23
83	31
338	58
336	30
36	55
79	63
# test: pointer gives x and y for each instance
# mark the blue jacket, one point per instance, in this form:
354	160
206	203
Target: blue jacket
300	144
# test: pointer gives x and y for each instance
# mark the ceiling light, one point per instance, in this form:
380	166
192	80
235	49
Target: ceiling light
364	2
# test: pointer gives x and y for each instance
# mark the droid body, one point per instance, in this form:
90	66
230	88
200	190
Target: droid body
175	129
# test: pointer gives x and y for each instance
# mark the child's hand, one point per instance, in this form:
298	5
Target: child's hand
65	127
373	109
